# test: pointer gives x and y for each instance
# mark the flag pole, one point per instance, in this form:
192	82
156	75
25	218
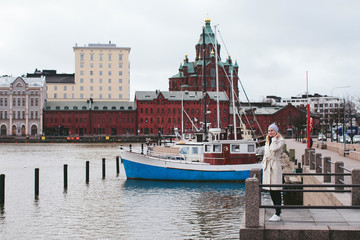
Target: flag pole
307	113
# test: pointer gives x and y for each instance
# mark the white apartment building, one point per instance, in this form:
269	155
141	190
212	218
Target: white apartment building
324	106
21	106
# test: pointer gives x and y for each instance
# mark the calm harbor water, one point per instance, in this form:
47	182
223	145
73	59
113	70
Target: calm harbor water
110	208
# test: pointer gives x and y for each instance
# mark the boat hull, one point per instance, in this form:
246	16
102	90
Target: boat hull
138	166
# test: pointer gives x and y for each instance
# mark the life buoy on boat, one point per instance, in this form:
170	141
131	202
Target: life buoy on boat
226	148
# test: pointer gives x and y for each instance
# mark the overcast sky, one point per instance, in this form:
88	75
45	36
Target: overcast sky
274	42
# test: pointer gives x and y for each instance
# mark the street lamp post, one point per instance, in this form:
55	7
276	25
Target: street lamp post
332	90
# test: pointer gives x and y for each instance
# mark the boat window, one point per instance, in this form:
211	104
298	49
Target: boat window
251	148
184	150
216	148
194	150
235	148
207	148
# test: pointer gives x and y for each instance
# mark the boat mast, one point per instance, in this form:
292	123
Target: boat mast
204	89
233	101
217	82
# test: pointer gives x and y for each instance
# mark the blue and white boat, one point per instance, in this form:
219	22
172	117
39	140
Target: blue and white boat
223	160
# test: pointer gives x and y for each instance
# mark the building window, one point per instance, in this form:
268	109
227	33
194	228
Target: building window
81	57
109	96
120	80
120	57
100	95
55	88
36	102
91	88
81	88
120	96
55	95
109	80
109	56
91	57
120	73
100	80
81	73
91	65
91	73
120	88
81	95
91	80
109	88
81	81
64	95
109	65
120	65
100	88
81	64
100	56
109	73
100	73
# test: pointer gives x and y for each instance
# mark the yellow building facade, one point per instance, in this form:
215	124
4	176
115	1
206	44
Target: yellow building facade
102	72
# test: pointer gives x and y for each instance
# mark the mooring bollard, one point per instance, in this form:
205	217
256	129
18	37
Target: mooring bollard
142	148
312	159
292	154
117	166
252	203
36	182
355	191
130	148
327	168
65	176
103	168
87	172
318	166
306	157
2	189
338	178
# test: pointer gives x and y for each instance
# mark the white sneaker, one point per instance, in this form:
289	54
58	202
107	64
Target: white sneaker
275	218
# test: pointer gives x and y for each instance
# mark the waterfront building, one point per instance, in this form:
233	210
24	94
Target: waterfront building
102	72
89	118
61	85
21	106
190	73
322	105
290	119
161	111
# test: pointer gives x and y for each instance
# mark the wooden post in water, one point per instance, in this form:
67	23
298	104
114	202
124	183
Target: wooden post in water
87	171
103	168
2	189
36	182
65	176
117	166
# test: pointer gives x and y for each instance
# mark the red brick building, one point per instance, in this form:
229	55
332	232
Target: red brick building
160	111
73	118
289	119
190	75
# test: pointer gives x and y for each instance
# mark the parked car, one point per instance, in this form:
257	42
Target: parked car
321	137
347	139
356	139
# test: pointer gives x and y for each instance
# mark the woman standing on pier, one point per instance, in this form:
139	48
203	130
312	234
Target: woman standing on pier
272	171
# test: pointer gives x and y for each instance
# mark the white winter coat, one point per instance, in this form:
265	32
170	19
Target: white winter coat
271	164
